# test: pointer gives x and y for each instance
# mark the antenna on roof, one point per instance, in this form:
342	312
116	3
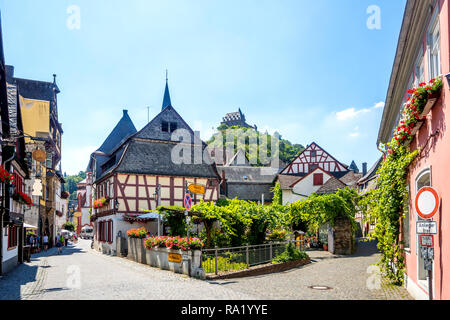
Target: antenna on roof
167	75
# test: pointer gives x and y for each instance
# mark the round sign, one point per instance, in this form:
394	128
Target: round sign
187	202
39	155
427	202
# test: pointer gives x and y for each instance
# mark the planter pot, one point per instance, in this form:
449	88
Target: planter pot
325	247
432	98
151	258
132	252
140	251
190	263
130	248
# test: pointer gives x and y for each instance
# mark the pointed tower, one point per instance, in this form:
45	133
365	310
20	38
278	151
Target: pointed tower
166	101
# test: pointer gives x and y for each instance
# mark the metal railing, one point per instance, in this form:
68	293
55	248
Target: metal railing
239	258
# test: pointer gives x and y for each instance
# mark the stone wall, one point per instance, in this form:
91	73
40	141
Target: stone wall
343	237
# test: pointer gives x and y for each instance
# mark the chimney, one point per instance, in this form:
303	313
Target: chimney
10	71
364	168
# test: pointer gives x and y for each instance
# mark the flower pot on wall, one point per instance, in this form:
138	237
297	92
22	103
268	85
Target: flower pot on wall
140	251
132	249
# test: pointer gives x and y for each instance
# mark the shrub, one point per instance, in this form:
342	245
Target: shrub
290	254
223	264
277	235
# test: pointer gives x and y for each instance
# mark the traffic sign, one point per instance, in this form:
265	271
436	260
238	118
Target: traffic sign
197	188
426	227
427	240
427	202
187	202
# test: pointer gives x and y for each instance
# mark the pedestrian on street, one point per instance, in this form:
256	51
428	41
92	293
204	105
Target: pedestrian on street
59	243
66	239
45	240
37	242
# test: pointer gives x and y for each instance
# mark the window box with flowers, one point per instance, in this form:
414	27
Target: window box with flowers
160	248
420	102
102	202
22	198
5	176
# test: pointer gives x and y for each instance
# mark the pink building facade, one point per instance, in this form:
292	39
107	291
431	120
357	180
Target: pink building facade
423	53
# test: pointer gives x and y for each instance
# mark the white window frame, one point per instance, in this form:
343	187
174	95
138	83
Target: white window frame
419	69
434	46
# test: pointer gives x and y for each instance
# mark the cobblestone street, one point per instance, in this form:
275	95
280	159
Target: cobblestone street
81	273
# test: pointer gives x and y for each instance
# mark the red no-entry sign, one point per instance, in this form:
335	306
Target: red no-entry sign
427	202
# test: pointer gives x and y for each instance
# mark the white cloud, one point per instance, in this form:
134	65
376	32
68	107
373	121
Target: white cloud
379	105
350	114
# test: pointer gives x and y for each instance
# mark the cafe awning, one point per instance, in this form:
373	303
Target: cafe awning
29	226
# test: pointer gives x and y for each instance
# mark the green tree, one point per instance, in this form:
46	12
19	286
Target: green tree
287	150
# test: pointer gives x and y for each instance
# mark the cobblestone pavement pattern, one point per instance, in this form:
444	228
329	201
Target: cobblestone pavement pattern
81	273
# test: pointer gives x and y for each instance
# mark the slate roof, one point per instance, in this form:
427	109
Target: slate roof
124	129
12	108
372	172
354	167
149	151
247	175
166	100
219	155
16	126
239	159
331	186
33	89
286	181
152	157
351	178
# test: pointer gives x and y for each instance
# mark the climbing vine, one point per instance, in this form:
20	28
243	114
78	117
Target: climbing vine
386	206
317	210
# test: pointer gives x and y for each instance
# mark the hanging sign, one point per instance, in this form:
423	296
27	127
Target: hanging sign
197	188
39	155
427	202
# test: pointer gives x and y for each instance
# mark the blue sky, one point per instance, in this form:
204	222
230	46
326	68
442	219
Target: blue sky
313	71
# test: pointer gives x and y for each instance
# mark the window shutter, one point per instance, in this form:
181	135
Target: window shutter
318	179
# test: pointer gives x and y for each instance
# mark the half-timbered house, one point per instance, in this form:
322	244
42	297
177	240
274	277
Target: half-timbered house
139	171
314	171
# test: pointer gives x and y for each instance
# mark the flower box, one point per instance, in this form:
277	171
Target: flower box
430	104
131	249
140	251
100	203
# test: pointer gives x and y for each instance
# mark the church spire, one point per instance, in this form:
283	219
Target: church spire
166	101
